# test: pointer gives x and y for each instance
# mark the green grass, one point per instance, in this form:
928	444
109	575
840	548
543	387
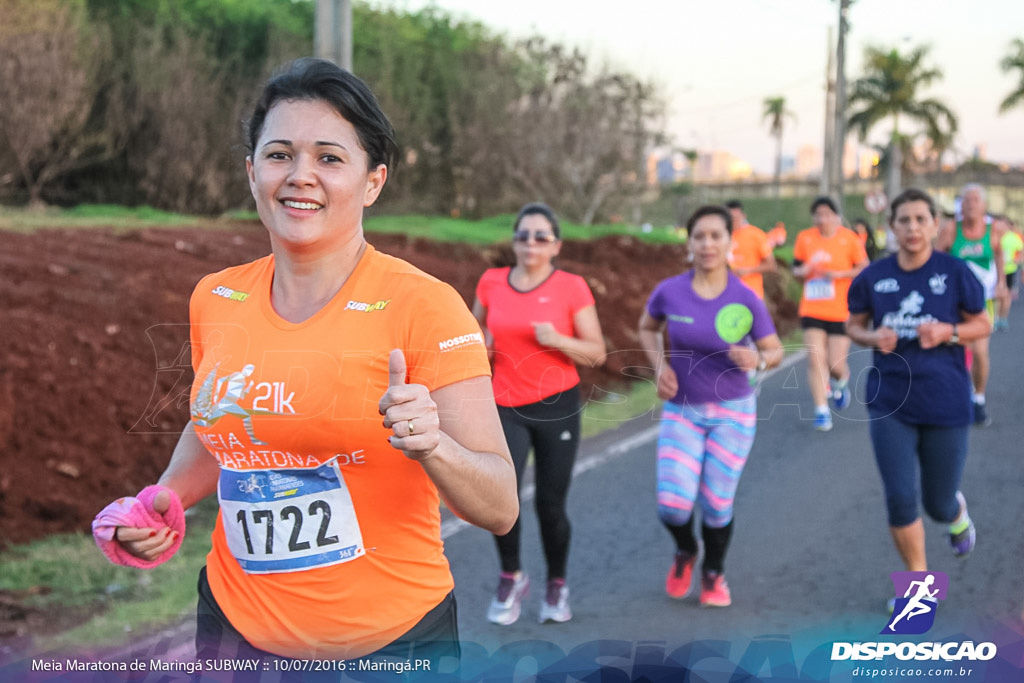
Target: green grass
610	409
439	228
90	216
67	571
763	212
496	229
120	218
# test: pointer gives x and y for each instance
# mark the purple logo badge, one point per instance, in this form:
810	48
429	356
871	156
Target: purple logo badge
917	599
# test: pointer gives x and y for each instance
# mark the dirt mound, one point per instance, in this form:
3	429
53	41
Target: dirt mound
94	368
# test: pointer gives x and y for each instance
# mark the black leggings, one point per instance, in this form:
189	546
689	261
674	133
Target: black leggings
552	428
434	637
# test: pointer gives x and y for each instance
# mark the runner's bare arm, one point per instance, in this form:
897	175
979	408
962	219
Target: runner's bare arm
586	347
770	351
800	269
881	338
652	341
857	267
998	230
480	313
456	436
471	465
192	472
767	265
971	327
947	235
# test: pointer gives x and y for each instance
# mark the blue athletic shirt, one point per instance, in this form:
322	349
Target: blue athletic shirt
920	386
700	333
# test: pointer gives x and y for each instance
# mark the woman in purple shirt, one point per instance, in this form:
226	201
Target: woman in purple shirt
718	331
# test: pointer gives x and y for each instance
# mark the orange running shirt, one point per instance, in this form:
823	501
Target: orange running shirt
524	371
750	247
289	410
825	299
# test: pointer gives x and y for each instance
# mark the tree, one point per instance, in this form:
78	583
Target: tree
890	88
49	74
186	72
580	135
1014	62
446	86
775	113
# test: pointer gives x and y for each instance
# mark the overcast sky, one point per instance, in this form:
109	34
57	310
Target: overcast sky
717	60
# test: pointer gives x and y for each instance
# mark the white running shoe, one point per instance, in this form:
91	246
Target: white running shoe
507	604
555	606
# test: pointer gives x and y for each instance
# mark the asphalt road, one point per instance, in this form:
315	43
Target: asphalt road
811	553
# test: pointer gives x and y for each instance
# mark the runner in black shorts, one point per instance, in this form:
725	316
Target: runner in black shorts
826	257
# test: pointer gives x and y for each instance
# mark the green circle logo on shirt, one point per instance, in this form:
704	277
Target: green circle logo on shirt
733	322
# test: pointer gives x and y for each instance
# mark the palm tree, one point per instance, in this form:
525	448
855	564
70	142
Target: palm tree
890	88
1014	62
775	113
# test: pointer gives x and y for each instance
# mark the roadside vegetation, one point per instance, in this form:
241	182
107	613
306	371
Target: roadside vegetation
659	214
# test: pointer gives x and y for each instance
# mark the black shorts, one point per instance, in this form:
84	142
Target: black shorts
831	327
435	638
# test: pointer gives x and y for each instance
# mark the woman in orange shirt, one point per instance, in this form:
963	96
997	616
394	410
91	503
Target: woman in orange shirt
340	394
827	256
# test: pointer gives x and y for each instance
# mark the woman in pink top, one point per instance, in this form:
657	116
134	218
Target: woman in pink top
539	322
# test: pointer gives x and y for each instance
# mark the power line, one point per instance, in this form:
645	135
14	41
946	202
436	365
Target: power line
749	98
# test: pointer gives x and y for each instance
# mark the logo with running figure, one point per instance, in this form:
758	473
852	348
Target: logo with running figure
219	396
917	599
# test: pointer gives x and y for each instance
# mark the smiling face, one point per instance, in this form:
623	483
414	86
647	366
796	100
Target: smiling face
309	176
915	227
709	243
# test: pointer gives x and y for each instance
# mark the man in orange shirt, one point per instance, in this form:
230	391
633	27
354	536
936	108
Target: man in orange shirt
751	253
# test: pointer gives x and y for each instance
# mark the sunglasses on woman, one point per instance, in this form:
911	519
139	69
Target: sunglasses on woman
525	235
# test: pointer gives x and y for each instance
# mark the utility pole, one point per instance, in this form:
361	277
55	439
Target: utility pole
333	33
839	128
826	165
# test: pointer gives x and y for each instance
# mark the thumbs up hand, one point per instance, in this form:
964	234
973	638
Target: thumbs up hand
409	412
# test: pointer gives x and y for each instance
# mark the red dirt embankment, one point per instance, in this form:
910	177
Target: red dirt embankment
94	365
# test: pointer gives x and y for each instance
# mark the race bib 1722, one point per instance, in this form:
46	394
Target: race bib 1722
289	520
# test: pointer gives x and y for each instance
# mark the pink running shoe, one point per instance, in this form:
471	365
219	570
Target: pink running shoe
680	575
714	591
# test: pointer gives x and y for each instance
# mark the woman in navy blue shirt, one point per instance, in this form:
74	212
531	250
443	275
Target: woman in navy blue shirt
917	308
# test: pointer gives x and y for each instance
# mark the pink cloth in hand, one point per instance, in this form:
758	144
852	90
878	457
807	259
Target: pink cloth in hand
138	512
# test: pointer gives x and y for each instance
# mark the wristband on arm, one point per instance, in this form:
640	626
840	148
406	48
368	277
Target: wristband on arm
138	512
